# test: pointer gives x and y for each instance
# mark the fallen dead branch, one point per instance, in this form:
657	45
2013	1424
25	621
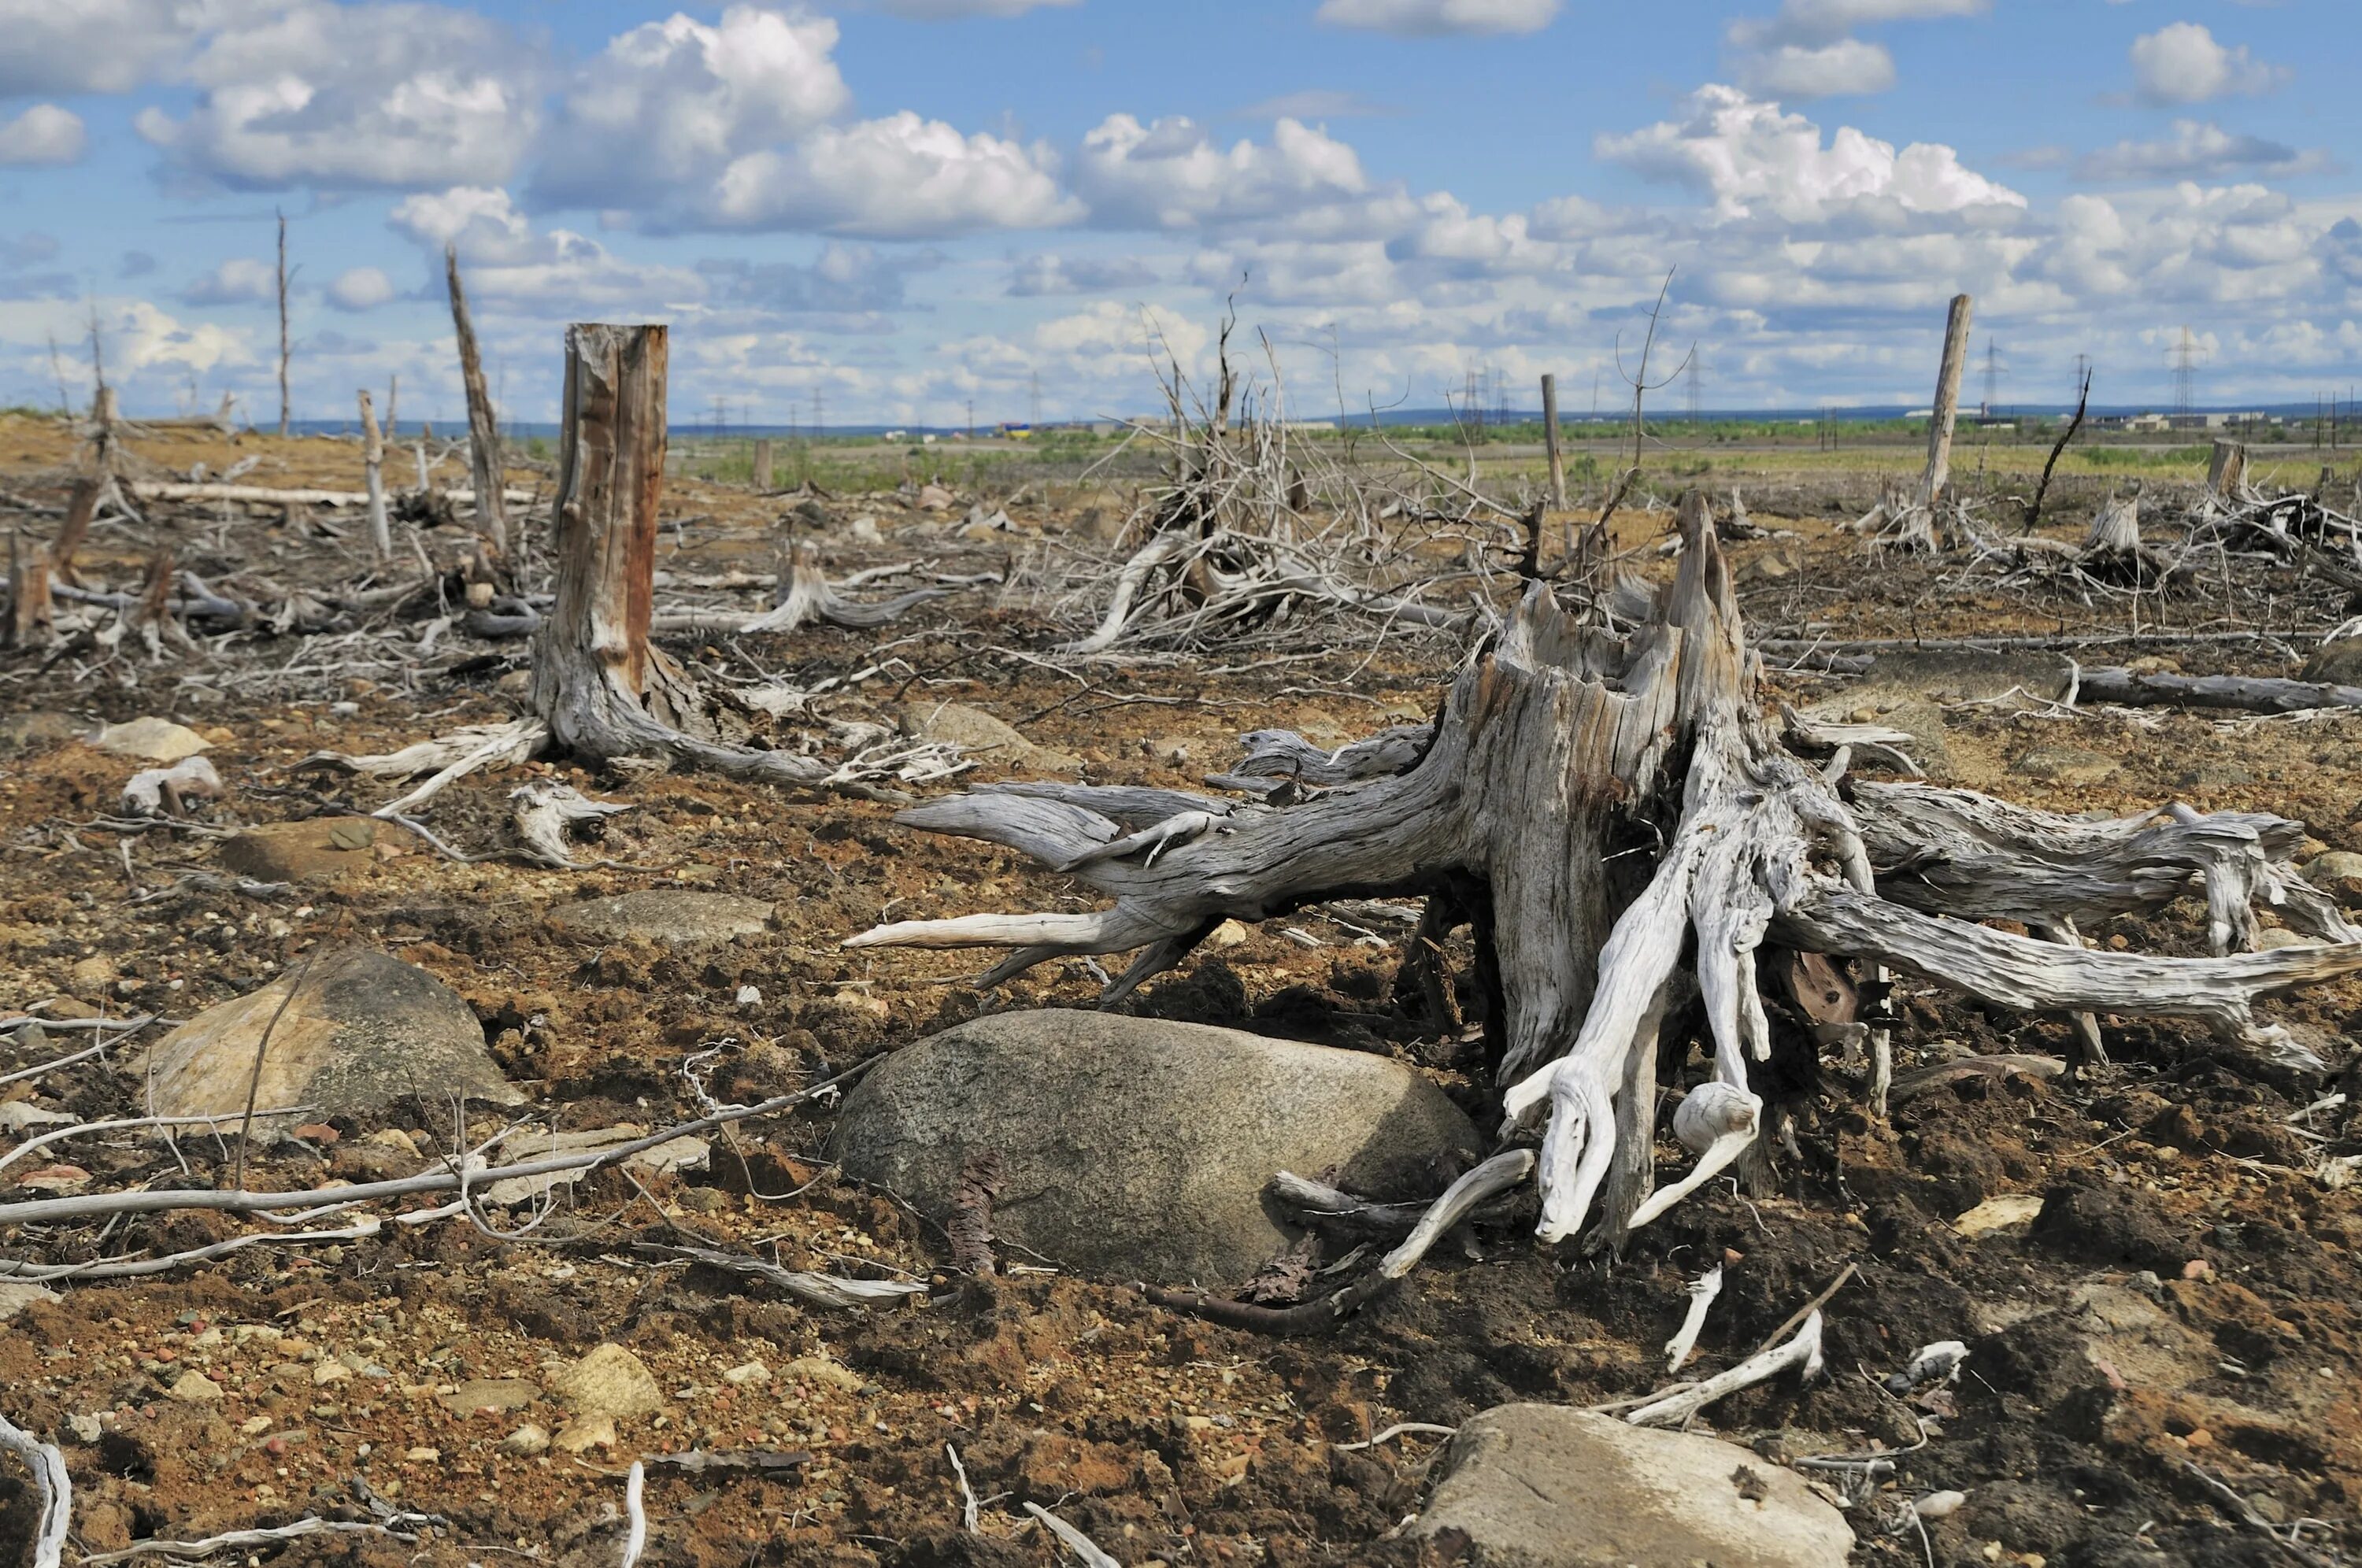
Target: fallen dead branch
51	1484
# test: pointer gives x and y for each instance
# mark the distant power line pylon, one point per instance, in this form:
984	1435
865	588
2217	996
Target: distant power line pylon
2185	373
1693	387
1993	375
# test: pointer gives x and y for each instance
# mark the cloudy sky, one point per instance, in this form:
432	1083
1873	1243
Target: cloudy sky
895	206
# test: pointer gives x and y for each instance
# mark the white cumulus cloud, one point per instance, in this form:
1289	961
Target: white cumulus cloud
671	103
2182	63
43	134
242	279
2200	151
95	45
360	288
1428	18
506	263
902	177
1171	174
1748	154
311	92
1795	70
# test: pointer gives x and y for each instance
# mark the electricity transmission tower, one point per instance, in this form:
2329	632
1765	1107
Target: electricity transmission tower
1694	386
820	411
2084	369
2185	373
1992	375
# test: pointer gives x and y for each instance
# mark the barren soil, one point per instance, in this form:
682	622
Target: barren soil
2185	1306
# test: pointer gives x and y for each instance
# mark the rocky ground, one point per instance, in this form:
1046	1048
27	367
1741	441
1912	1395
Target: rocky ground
2155	1279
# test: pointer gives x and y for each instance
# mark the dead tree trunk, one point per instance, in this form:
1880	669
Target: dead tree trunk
1908	522
762	467
286	408
2226	471
82	506
373	476
601	686
1565	760
1549	441
483	429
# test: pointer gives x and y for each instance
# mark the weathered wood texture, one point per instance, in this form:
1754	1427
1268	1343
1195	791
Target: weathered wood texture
1614	801
373	477
483	425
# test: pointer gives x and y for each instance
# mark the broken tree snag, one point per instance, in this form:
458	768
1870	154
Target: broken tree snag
373	476
1627	830
483	429
603	688
1938	471
1908	521
762	475
82	506
805	596
2226	471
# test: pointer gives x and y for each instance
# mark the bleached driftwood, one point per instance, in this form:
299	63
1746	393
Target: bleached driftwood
1564	765
805	596
51	1484
1802	1352
545	813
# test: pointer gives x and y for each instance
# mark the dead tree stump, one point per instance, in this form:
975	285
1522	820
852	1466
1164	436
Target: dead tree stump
1615	805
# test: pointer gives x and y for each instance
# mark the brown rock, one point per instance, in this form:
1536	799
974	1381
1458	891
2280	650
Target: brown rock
323	849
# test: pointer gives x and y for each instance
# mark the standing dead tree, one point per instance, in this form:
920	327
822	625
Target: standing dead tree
1592	803
373	474
483	425
601	689
286	408
1907	520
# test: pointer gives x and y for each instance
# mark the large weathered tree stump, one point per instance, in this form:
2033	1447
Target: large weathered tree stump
1601	806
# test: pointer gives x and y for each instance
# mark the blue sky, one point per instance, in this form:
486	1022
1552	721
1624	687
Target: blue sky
905	204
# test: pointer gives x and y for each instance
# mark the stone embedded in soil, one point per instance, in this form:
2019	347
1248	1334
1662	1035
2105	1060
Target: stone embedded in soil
1970	676
664	917
585	1433
151	739
2338	663
195	1388
1133	1148
2065	765
528	1442
2338	873
490	1394
989	740
22	731
15	1295
366	1030
1551	1486
322	849
2004	1212
610	1384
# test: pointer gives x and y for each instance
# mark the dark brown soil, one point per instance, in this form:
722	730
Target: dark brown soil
2184	1308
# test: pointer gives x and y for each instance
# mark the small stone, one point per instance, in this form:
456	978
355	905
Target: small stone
254	1426
1229	933
2065	765
528	1442
195	1388
320	849
2197	1268
484	1394
750	996
17	1294
664	917
2005	1212
328	1371
86	1428
151	739
94	974
610	1382
579	1435
2338	873
989	740
423	1456
747	1375
2201	1438
820	1369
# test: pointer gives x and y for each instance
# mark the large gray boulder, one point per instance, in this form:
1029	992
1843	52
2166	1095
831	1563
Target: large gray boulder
1131	1148
1551	1486
364	1032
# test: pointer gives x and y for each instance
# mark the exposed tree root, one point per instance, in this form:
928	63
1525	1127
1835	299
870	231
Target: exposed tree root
1620	803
